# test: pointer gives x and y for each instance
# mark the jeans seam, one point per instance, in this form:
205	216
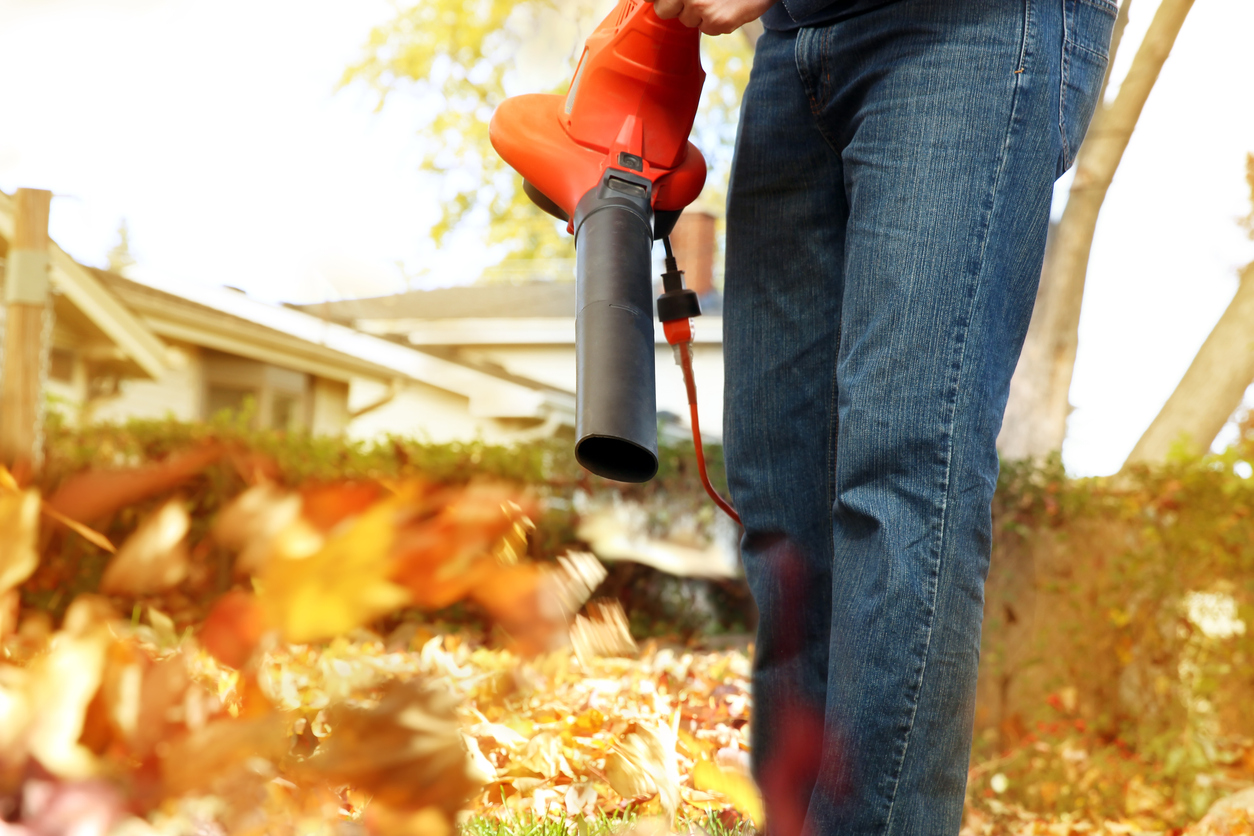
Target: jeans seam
833	427
1023	42
951	407
1063	66
800	55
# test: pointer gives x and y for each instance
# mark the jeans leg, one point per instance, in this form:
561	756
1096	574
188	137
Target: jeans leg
945	114
886	223
785	240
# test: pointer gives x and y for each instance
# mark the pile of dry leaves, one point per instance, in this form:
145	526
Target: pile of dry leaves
281	713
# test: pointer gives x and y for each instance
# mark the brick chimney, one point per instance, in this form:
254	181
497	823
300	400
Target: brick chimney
693	243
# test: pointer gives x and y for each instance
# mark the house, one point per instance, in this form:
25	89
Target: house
524	332
121	349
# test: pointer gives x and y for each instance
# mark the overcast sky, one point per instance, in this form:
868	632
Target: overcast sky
216	131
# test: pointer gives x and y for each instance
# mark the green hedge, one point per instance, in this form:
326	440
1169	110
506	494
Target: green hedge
1089	635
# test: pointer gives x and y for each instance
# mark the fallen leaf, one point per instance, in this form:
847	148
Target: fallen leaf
10	610
580	799
326	506
407	750
644	762
736	786
429	821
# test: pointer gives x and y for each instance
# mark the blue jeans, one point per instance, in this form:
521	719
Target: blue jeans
885	230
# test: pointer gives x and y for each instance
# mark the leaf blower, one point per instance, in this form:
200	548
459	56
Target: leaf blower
613	160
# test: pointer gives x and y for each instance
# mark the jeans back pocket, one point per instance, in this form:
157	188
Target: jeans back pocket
1087	25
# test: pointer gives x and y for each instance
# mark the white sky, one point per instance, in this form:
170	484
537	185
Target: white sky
216	131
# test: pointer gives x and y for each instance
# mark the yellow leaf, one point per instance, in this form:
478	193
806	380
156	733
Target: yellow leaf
340	587
19	520
736	787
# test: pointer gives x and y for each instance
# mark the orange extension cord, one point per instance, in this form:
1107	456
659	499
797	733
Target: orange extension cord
679	335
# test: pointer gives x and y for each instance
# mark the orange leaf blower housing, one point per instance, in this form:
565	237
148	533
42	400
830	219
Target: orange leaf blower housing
612	158
630	106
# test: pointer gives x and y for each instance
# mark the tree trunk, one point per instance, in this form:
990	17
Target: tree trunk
1036	416
1212	388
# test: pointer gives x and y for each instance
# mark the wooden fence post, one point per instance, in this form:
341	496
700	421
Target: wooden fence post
26	295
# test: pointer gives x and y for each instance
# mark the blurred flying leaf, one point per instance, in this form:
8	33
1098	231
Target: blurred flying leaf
83	808
444	545
344	585
8	483
603	632
737	787
234	627
534	604
407	750
19	520
92	494
644	762
224	748
154	557
62	684
252	521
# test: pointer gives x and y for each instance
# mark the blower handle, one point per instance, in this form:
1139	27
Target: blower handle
615	390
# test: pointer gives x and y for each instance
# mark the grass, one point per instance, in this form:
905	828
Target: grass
602	824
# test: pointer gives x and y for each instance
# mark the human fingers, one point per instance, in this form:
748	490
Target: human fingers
691	16
667	9
727	16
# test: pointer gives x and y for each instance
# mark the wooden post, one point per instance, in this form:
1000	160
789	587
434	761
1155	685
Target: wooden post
26	295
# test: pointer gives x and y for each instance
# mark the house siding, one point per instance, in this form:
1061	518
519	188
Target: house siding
176	394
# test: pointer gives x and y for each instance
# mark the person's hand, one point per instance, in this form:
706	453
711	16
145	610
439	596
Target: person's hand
713	17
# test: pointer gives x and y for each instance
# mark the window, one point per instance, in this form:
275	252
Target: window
284	414
230	399
61	365
274	397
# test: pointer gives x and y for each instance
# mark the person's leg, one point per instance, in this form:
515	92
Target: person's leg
946	117
785	227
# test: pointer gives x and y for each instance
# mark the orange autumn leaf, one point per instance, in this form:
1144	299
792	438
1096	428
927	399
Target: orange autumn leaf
442	556
326	506
234	627
93	494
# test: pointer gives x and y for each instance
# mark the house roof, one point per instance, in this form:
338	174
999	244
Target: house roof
134	317
177	317
236	323
530	313
488	301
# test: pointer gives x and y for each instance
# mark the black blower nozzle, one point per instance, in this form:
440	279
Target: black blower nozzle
616	398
